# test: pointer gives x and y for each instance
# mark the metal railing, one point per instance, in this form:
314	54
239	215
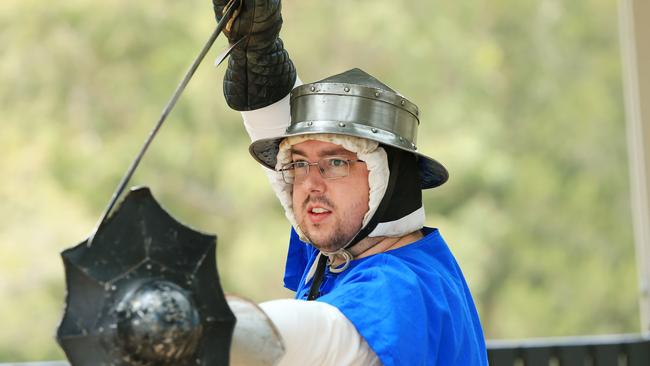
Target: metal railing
614	350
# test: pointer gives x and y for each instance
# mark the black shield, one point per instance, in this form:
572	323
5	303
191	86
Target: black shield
145	293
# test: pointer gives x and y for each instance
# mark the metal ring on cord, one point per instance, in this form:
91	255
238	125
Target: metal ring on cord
343	253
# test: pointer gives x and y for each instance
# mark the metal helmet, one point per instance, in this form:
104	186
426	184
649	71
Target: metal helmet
356	104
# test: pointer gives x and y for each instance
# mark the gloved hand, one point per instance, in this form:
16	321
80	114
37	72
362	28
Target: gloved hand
259	20
259	72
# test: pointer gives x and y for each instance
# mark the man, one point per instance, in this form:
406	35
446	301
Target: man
342	159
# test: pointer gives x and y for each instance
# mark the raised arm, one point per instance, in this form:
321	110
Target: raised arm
260	71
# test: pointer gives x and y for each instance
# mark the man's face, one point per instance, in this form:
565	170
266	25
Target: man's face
329	211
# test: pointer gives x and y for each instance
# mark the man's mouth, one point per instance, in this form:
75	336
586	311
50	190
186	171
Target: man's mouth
317	214
319	210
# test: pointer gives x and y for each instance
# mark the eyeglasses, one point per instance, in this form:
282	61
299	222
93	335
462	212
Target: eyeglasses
329	168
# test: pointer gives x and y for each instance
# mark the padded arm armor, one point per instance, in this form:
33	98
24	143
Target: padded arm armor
260	72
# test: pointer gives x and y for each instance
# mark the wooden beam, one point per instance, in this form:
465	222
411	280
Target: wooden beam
635	46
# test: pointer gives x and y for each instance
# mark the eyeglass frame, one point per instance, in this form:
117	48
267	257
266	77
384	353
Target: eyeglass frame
291	166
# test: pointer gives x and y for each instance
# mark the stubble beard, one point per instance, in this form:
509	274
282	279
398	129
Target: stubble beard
343	232
337	240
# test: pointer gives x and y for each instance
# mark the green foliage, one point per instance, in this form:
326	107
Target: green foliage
521	100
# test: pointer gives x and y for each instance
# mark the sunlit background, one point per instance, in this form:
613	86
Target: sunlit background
522	101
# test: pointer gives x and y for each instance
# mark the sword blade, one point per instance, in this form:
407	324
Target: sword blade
232	6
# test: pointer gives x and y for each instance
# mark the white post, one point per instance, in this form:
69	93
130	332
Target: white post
635	46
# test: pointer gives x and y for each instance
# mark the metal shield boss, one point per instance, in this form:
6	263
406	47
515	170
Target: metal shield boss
355	104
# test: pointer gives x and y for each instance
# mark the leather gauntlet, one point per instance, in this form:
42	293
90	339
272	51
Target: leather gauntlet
259	72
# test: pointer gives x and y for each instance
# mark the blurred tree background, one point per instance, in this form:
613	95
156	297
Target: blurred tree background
521	99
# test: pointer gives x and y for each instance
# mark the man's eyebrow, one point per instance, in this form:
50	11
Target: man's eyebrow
297	151
326	152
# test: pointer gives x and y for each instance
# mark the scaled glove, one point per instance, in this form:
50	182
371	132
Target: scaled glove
260	72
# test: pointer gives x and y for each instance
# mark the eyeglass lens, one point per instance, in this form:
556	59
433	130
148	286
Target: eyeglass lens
330	168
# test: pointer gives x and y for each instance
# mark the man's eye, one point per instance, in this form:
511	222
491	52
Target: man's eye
300	164
337	162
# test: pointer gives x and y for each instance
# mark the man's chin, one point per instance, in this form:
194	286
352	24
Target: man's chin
329	248
328	237
326	243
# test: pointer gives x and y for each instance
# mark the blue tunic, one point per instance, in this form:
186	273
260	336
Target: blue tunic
411	304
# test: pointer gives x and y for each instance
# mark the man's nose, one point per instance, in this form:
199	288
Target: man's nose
314	180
